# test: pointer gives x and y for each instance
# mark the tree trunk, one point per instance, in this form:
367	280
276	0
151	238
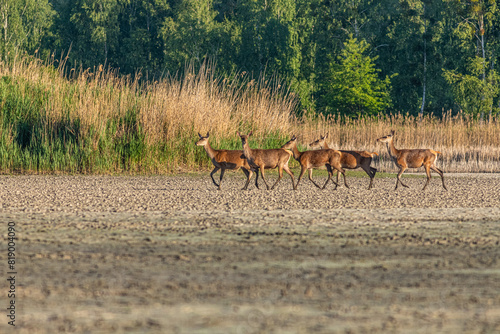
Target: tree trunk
5	18
481	32
425	69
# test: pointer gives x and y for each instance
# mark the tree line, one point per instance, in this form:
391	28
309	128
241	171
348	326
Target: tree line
347	57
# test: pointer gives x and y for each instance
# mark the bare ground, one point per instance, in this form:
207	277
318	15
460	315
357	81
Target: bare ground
102	254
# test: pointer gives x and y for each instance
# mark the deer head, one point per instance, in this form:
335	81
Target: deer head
203	140
387	138
289	144
320	143
244	138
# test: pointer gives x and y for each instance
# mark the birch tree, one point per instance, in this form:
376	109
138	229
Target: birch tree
476	19
24	24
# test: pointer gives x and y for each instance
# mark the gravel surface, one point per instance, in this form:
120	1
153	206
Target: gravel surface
73	194
174	255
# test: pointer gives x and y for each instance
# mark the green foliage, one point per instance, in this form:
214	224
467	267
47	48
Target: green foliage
297	41
473	93
410	52
25	23
141	45
354	87
478	17
96	25
192	34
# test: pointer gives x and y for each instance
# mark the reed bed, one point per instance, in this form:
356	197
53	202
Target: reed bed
466	144
59	119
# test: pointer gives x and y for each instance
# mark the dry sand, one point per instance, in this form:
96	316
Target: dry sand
102	254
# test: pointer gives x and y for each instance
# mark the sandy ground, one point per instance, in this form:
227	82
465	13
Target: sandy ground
102	254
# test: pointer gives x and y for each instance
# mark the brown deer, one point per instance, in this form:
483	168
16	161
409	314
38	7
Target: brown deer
314	159
351	159
267	159
227	159
412	158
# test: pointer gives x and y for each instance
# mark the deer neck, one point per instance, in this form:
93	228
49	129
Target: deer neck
393	152
247	151
210	151
296	153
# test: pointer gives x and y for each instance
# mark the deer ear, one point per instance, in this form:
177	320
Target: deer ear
200	135
208	134
392	132
251	132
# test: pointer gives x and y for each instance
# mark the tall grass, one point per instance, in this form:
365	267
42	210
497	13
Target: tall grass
59	119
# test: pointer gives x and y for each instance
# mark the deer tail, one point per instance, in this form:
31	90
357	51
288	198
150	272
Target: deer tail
373	153
436	152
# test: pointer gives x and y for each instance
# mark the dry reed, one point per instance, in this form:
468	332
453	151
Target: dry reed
169	112
466	144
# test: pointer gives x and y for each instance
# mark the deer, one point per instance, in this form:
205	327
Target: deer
314	159
227	159
351	159
261	159
412	158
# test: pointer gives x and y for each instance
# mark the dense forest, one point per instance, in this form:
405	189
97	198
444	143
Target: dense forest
352	57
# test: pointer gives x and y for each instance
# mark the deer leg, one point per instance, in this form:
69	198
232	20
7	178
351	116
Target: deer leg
257	178
345	181
330	173
401	170
428	172
370	173
212	176
330	176
289	172
263	178
440	172
340	170
373	170
221	176
302	171
280	176
248	174
310	172
336	183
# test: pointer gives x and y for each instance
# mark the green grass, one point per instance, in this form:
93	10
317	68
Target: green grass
31	142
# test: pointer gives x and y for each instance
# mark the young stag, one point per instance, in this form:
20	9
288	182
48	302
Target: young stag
351	159
267	159
227	159
414	158
314	159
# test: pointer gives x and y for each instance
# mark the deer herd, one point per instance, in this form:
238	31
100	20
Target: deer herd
252	160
